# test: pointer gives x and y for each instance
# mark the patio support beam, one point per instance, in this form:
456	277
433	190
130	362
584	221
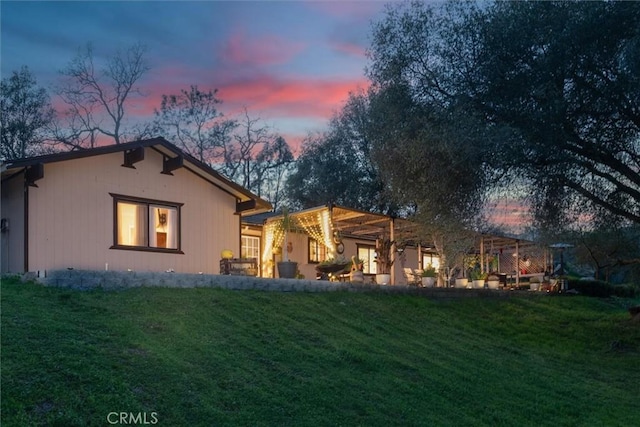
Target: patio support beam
517	262
393	251
482	257
546	260
333	229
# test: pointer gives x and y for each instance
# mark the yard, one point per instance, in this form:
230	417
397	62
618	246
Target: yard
202	357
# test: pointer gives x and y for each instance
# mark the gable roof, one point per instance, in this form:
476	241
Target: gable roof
251	203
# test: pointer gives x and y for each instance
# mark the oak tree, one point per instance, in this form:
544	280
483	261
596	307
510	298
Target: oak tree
26	115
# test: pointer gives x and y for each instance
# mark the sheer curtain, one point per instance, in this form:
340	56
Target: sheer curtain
172	233
154	225
163	233
131	219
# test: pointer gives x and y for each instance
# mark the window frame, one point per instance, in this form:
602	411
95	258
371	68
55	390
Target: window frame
148	203
320	253
372	261
430	256
256	238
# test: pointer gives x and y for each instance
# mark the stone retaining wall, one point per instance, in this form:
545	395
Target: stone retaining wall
117	280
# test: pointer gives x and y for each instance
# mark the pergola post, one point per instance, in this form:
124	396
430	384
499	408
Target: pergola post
393	251
482	257
517	262
547	257
332	226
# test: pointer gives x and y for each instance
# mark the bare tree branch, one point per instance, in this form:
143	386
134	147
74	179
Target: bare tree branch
96	100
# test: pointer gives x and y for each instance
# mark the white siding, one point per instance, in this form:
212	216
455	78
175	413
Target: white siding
12	240
71	222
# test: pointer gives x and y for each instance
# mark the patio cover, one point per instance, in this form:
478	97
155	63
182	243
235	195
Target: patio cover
349	222
328	223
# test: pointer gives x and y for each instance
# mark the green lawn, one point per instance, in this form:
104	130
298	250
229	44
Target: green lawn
212	357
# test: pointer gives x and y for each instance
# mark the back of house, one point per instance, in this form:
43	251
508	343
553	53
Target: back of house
142	206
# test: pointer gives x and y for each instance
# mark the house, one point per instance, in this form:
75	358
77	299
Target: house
143	206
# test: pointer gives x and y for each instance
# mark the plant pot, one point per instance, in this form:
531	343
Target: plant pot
461	283
478	284
493	284
428	282
383	279
357	276
534	286
287	269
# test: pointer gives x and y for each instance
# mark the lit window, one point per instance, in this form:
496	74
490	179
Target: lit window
430	259
317	251
250	247
368	255
146	224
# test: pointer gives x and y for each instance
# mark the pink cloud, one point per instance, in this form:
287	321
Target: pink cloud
285	97
362	10
349	48
512	214
263	51
294	105
310	97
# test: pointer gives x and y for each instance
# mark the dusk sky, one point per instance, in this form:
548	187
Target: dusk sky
290	63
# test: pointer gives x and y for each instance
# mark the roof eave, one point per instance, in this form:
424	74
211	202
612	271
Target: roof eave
163	146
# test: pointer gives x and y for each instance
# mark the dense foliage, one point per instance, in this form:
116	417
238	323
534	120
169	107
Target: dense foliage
602	289
337	167
544	95
26	114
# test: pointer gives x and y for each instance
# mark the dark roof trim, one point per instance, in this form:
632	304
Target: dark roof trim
169	164
133	156
89	152
34	173
245	206
136	145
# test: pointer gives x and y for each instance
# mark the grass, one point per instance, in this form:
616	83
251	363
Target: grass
204	357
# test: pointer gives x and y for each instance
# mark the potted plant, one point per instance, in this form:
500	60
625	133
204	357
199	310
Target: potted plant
429	276
333	267
477	278
384	261
287	269
462	282
357	266
534	283
493	281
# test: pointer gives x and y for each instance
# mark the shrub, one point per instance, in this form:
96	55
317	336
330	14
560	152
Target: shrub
592	287
430	271
626	291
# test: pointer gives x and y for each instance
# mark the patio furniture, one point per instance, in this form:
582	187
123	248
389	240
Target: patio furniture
332	271
239	266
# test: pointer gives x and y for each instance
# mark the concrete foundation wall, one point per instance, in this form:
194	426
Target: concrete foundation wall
117	280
